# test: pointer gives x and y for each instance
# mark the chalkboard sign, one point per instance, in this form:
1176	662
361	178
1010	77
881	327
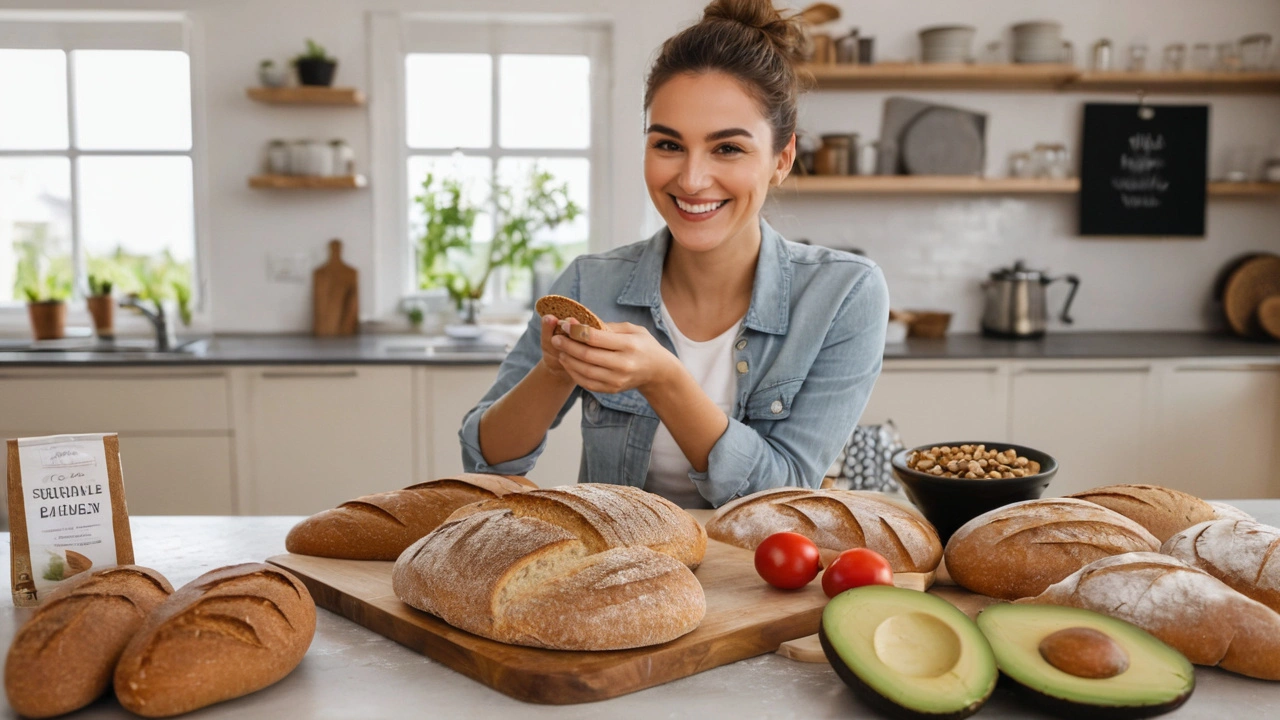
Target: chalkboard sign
1143	169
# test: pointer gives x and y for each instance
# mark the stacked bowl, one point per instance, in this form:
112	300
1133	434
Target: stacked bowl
1037	42
946	43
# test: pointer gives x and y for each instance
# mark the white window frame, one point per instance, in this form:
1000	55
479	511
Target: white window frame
392	36
69	30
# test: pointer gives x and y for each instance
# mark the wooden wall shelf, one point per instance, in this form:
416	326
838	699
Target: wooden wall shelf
306	95
307	182
964	185
1048	78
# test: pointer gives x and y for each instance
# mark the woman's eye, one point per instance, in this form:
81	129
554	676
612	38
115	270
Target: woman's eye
729	150
666	145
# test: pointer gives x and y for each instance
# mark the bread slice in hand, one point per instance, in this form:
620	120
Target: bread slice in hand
1240	553
564	308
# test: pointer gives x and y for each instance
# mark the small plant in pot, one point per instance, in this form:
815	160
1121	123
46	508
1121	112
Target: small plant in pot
271	75
315	67
101	306
47	308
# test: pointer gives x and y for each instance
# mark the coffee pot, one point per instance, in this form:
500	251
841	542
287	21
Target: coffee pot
1015	302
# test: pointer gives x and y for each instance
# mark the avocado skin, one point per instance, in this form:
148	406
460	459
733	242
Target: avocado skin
1072	710
879	702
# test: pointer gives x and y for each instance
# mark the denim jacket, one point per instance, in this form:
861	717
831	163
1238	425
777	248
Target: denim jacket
806	355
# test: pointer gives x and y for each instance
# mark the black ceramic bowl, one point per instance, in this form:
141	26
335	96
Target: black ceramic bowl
949	503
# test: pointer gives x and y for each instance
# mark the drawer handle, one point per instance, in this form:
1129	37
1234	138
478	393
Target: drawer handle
297	375
1075	371
974	370
1257	367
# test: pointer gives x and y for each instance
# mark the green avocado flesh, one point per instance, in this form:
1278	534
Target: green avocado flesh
908	653
1158	678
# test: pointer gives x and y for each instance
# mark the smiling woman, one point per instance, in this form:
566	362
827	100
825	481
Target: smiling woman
731	360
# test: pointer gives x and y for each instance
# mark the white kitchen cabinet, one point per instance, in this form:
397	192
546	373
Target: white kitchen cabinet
182	475
942	401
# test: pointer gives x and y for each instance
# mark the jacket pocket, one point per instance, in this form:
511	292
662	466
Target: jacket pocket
773	402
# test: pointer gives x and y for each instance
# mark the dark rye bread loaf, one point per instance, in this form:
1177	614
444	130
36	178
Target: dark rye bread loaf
229	632
1161	510
564	308
381	526
1240	553
63	656
1018	550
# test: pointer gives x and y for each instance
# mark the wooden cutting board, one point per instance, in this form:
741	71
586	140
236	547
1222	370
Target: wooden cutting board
335	296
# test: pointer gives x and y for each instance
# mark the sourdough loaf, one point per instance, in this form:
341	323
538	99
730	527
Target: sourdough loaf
63	656
1161	510
381	526
1185	607
227	633
583	567
1020	549
833	520
1223	511
1240	553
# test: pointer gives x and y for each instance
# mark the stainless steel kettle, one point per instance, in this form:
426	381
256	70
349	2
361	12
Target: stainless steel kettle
1015	302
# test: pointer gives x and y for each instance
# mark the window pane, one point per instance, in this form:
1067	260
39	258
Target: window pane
576	173
475	175
33	100
35	226
545	101
448	100
132	99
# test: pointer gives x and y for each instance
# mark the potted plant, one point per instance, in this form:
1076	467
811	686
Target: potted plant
315	67
47	308
270	74
101	306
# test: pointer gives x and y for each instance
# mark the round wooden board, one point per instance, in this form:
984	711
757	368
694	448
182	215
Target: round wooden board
1248	285
1269	316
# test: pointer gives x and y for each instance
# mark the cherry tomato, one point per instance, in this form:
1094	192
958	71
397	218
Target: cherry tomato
855	568
787	560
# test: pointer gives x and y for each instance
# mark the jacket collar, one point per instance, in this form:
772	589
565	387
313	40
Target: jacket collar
770	308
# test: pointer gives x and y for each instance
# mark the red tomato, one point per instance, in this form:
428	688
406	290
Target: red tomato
787	560
855	568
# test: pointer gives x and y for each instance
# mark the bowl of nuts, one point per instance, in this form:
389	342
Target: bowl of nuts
952	483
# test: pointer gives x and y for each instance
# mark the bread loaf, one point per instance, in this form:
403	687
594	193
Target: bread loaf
1020	549
1240	553
1185	607
584	567
63	656
381	526
227	633
833	520
1223	511
1161	510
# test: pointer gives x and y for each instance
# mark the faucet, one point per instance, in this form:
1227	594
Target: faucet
159	319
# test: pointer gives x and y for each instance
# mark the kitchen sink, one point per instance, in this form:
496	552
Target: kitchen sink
136	346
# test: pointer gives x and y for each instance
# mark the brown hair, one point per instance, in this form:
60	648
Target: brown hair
749	40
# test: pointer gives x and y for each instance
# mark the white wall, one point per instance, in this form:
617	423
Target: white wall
934	250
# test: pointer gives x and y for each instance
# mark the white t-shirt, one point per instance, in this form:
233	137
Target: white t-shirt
711	364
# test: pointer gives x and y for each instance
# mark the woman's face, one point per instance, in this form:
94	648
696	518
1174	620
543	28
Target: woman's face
709	160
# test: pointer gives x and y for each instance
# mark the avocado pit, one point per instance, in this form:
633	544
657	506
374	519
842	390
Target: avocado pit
1084	652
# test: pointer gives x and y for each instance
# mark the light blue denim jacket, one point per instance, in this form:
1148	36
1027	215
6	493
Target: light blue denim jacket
807	354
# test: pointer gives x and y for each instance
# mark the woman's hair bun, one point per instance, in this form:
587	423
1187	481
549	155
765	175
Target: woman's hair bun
786	34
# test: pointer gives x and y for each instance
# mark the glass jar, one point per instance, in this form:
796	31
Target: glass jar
344	158
1201	57
1174	57
1137	57
1255	52
1228	57
834	156
278	157
1102	55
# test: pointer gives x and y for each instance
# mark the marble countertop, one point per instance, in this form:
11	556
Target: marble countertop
351	672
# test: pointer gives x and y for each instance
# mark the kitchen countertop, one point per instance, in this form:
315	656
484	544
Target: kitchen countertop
378	349
352	672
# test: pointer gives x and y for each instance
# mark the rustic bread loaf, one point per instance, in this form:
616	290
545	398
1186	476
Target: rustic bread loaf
1187	608
584	567
63	656
227	633
1020	549
1161	510
1223	511
833	520
381	526
1240	553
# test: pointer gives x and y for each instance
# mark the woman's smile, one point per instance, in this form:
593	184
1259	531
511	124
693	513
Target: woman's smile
698	210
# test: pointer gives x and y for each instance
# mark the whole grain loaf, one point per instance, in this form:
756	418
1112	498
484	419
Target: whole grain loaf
1161	510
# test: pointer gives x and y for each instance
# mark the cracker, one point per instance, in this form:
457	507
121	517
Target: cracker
564	308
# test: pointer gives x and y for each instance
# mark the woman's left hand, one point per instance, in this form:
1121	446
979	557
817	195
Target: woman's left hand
624	358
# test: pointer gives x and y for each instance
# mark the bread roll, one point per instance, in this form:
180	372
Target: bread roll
1240	553
381	526
227	633
1161	510
1223	511
1020	549
584	567
1185	607
833	520
63	656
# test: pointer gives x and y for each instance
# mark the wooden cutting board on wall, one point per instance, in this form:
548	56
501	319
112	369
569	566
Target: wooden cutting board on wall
335	296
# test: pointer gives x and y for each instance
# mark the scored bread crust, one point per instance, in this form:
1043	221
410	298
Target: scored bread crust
63	656
1240	553
382	525
832	519
229	632
564	308
1161	510
1020	549
546	573
1185	607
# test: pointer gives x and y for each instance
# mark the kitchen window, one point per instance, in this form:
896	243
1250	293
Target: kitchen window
97	159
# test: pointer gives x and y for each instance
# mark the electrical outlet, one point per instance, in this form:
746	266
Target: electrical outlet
288	267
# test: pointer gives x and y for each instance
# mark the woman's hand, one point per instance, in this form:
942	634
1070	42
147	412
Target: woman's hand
624	358
550	353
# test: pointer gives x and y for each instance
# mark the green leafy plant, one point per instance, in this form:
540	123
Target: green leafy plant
267	64
99	286
153	278
416	315
42	274
315	51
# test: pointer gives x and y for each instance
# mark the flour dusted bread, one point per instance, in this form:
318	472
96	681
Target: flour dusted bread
834	520
1161	510
1223	511
227	633
564	308
63	656
381	526
1020	549
583	567
1187	608
1240	553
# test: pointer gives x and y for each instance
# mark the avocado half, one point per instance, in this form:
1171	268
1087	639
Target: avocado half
908	654
1157	678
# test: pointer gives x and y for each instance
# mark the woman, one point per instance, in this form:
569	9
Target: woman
733	361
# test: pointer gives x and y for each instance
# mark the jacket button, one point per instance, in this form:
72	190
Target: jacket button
742	367
776	407
742	344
